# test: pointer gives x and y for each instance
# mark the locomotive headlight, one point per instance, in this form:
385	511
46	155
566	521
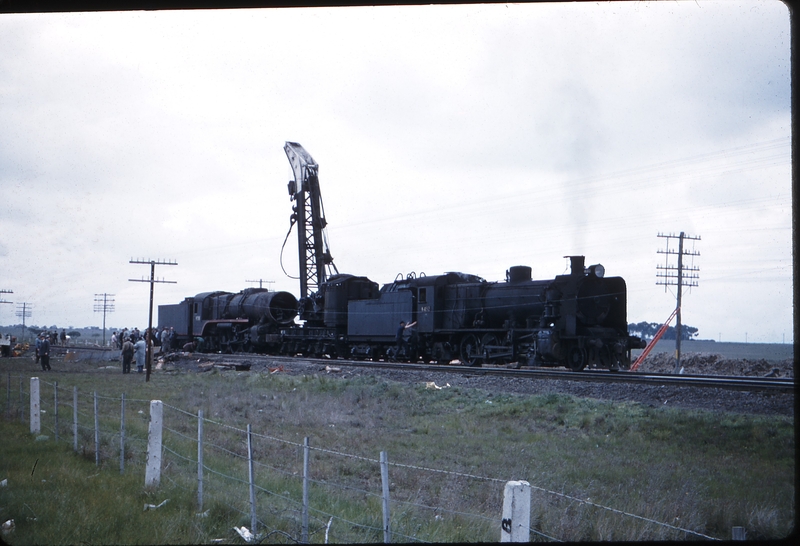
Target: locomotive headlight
597	270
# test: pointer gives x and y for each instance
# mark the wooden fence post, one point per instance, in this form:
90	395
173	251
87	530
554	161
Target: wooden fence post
36	414
253	519
122	436
200	460
515	526
75	419
304	535
387	534
152	475
96	433
55	402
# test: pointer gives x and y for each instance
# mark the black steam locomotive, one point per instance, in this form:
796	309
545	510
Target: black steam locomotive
574	320
248	321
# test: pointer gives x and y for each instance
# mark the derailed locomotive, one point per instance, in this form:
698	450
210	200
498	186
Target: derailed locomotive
574	320
250	320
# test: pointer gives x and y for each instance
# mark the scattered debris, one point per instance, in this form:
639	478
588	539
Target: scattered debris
8	526
433	385
245	533
203	514
206	366
275	370
329	369
4	483
154	506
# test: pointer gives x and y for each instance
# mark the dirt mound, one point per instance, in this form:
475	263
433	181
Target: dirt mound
715	364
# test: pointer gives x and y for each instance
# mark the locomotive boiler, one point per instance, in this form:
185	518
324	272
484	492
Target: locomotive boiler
245	321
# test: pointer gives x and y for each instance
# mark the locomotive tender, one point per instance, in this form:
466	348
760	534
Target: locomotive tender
574	320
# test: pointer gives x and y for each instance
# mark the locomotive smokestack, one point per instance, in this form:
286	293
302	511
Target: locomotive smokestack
577	264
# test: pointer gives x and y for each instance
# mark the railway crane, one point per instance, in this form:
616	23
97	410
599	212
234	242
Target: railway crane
308	213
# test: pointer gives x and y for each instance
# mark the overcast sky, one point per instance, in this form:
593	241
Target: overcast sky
449	138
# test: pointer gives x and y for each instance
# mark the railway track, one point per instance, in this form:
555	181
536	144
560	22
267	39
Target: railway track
743	383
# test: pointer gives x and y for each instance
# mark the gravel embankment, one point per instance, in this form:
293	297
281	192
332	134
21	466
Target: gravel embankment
721	400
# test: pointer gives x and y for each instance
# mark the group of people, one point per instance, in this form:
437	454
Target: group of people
54	337
134	347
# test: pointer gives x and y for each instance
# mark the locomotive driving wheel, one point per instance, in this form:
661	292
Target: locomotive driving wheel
576	358
471	350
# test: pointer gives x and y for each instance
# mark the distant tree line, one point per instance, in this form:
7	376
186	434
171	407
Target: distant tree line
646	330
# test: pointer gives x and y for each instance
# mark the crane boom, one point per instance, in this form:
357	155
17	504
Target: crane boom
314	255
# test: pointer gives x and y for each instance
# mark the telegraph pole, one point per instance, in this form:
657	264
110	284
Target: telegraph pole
104	303
680	276
3	291
23	310
152	281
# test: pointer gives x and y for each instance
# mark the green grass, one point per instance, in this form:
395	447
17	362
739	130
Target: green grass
690	469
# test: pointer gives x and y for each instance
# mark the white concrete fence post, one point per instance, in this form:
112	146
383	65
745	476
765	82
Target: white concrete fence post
36	413
152	476
515	526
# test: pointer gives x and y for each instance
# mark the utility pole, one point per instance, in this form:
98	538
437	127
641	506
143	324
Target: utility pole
261	282
23	310
3	291
680	276
103	303
152	281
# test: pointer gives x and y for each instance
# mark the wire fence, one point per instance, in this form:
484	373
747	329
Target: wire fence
274	486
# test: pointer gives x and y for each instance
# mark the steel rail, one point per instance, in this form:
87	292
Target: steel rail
746	383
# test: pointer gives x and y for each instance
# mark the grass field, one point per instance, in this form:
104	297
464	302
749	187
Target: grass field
689	470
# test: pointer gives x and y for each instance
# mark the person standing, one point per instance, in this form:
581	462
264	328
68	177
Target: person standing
165	340
38	347
127	356
139	350
44	354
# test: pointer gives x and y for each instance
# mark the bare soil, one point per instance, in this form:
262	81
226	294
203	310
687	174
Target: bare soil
716	364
